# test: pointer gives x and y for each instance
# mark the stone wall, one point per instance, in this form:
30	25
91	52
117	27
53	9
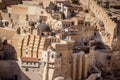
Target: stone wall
7	33
81	64
19	9
27	9
31	44
100	14
10	70
6	3
110	26
115	60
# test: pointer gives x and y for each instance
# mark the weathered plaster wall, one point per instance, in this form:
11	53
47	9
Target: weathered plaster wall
7	33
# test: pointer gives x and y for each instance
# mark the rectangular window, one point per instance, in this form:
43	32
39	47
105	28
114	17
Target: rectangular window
72	23
27	63
41	12
26	69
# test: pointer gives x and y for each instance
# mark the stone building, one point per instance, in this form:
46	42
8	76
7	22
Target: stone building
60	53
59	60
64	7
81	64
29	54
31	46
31	67
48	37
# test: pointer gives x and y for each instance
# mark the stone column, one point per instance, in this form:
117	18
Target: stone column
80	66
45	75
74	67
85	66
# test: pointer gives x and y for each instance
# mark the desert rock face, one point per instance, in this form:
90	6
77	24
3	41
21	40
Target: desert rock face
109	33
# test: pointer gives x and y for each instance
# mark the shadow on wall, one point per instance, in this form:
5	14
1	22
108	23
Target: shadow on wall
98	44
7	51
116	41
24	76
6	3
10	70
118	29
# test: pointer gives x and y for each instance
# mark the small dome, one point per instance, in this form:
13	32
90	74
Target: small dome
31	23
44	28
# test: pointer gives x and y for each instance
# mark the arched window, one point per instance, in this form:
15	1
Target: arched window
60	54
26	69
18	30
16	77
52	56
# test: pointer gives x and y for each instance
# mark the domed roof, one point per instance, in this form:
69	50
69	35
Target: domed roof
31	23
44	28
